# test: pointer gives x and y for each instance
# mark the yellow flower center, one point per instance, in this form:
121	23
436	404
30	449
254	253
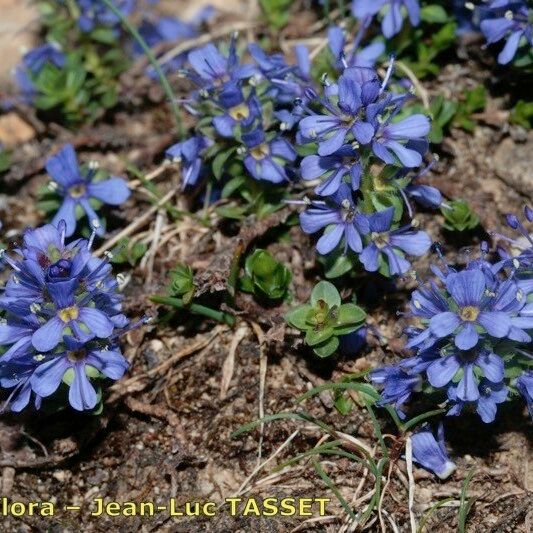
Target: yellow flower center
260	151
469	313
68	314
77	191
239	112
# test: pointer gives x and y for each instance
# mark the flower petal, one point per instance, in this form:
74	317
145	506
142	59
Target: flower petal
444	323
442	371
467	338
81	395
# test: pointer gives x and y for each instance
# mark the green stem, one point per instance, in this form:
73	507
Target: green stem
417	419
197	309
153	61
367	186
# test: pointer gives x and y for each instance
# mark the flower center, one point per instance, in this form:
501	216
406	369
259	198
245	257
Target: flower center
380	239
469	313
347	211
260	151
76	355
239	112
77	191
68	314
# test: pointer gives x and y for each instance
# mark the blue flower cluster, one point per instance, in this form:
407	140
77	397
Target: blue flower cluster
357	127
62	321
253	111
473	336
233	102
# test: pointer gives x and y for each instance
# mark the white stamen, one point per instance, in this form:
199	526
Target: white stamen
35	308
39	357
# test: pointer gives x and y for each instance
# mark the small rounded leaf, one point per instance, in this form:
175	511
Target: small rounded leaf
326	291
328	348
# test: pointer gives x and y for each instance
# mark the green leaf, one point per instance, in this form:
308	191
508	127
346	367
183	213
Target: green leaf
104	35
276	12
328	348
5	160
459	216
326	291
343	404
220	161
349	314
522	114
341	266
434	14
314	337
297	317
232	185
231	211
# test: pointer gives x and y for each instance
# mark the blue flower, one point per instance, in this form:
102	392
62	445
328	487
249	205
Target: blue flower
443	370
334	169
393	19
79	359
285	82
353	343
212	69
238	110
266	160
364	57
156	30
68	312
341	219
431	453
32	64
469	306
95	13
524	384
79	189
405	138
392	244
188	154
396	385
398	382
16	375
509	20
490	395
358	88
